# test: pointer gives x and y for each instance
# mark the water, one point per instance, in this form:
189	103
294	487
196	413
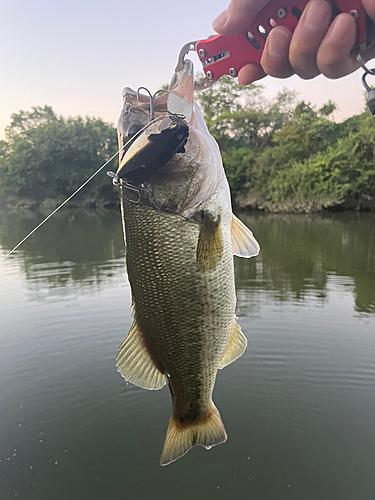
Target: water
299	406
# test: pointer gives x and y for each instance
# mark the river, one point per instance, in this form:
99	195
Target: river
298	406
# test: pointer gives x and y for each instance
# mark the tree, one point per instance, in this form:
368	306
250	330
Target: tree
241	116
46	155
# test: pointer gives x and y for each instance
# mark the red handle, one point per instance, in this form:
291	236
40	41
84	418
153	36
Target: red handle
227	54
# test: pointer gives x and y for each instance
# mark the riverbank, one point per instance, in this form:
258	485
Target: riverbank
251	202
45	207
257	201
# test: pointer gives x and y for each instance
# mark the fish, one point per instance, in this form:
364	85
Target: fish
180	238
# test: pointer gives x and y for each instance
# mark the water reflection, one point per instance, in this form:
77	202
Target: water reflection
74	247
298	405
299	256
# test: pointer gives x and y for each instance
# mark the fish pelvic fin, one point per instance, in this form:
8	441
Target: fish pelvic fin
134	363
243	242
210	243
236	345
208	432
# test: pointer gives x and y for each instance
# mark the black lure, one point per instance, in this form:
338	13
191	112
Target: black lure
154	148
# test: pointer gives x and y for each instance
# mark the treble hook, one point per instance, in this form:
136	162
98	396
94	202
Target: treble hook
117	181
161	91
152	108
128	186
152	99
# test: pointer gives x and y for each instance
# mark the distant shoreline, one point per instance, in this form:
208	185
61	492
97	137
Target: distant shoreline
253	202
257	202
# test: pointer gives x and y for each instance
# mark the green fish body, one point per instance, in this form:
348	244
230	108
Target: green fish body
180	236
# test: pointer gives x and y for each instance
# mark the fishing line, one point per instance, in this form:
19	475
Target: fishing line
79	189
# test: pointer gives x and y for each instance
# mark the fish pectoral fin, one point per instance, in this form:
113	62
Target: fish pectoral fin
243	242
210	243
207	432
236	346
134	362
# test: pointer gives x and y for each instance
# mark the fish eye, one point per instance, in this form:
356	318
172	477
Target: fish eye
133	130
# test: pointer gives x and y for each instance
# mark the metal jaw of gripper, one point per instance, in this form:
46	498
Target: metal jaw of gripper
190	47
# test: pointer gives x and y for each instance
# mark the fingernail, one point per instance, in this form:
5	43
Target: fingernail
317	13
220	21
278	42
340	30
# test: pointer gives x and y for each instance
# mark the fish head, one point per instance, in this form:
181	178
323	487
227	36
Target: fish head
174	155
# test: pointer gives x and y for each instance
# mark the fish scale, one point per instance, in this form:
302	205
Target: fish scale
187	306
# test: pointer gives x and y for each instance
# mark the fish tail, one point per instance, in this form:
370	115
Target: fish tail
208	431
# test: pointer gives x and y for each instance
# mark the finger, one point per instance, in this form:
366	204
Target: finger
308	35
250	73
369	6
369	53
238	16
334	59
275	61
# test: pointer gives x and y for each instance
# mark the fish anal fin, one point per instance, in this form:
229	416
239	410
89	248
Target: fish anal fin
208	431
134	363
210	243
236	346
243	242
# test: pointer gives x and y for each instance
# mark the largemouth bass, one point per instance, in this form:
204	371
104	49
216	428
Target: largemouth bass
180	237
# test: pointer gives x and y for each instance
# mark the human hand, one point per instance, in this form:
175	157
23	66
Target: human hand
316	46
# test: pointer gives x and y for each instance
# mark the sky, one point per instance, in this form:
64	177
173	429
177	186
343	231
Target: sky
77	55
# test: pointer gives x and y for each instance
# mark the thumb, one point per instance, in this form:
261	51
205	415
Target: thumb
238	16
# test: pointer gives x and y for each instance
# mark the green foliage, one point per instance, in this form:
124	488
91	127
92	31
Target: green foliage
339	168
45	155
288	152
240	116
239	166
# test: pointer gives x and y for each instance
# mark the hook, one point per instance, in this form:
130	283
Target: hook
117	181
152	110
161	91
128	186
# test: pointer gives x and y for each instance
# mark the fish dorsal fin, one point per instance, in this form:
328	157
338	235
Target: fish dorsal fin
236	346
135	364
243	242
210	243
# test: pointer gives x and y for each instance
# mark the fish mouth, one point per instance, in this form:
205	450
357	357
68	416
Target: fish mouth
182	83
183	77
